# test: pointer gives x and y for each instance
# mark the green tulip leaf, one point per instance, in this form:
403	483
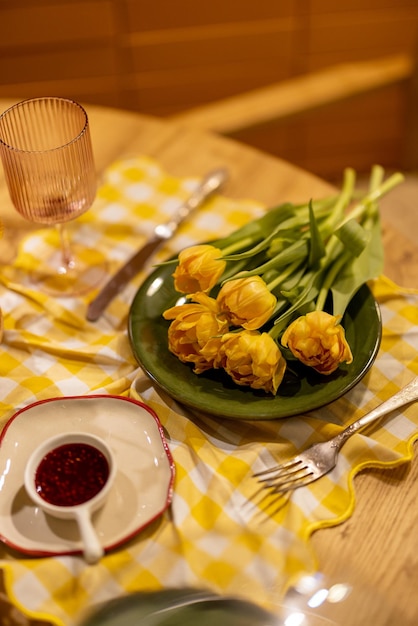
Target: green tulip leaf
358	269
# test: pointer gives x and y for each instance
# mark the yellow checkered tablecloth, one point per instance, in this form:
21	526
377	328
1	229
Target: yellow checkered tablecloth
209	537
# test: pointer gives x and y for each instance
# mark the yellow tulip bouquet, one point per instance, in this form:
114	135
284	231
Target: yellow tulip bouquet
276	289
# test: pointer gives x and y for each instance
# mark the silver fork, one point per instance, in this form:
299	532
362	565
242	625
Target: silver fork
321	458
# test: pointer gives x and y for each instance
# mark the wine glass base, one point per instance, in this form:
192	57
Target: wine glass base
86	271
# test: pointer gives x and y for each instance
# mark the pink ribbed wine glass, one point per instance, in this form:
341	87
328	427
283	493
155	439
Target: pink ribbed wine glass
49	168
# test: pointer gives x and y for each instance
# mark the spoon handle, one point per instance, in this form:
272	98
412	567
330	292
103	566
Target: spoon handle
92	548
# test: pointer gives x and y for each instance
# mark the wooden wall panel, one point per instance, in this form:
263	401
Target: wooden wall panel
357	133
209	64
371	129
342	36
186	14
165	93
348	6
214	47
59	47
73	63
28	24
336	138
164	56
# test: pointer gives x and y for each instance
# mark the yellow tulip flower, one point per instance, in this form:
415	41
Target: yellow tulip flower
318	340
194	325
252	358
247	302
198	269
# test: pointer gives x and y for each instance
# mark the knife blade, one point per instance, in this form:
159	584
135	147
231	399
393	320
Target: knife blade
162	233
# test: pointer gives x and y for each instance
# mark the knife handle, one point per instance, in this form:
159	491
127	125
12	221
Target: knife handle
210	183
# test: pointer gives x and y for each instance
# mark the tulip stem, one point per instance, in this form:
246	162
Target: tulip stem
335	269
374	195
238	245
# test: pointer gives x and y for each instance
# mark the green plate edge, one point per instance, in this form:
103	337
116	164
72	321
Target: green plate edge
213	393
171	607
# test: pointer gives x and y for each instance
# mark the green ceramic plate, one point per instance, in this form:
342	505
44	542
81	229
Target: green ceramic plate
213	392
179	607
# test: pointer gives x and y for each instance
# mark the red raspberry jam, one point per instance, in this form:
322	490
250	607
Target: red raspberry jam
71	474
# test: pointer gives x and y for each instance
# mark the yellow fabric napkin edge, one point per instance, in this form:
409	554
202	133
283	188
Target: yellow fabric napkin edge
33	615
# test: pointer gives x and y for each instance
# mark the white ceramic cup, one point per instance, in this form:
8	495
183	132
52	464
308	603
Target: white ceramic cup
81	513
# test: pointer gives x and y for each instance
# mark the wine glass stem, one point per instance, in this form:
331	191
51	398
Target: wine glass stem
66	254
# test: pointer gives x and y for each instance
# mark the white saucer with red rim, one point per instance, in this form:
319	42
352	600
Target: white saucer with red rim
141	490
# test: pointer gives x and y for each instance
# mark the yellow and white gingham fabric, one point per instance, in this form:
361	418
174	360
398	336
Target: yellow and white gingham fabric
210	536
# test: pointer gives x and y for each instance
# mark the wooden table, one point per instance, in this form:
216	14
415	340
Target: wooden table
379	543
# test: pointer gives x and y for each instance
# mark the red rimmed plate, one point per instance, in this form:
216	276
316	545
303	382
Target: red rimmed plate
135	434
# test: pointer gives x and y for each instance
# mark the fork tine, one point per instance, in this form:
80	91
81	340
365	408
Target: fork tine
279	468
291	476
293	482
279	474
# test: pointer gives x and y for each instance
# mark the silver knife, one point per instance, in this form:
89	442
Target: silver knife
162	233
